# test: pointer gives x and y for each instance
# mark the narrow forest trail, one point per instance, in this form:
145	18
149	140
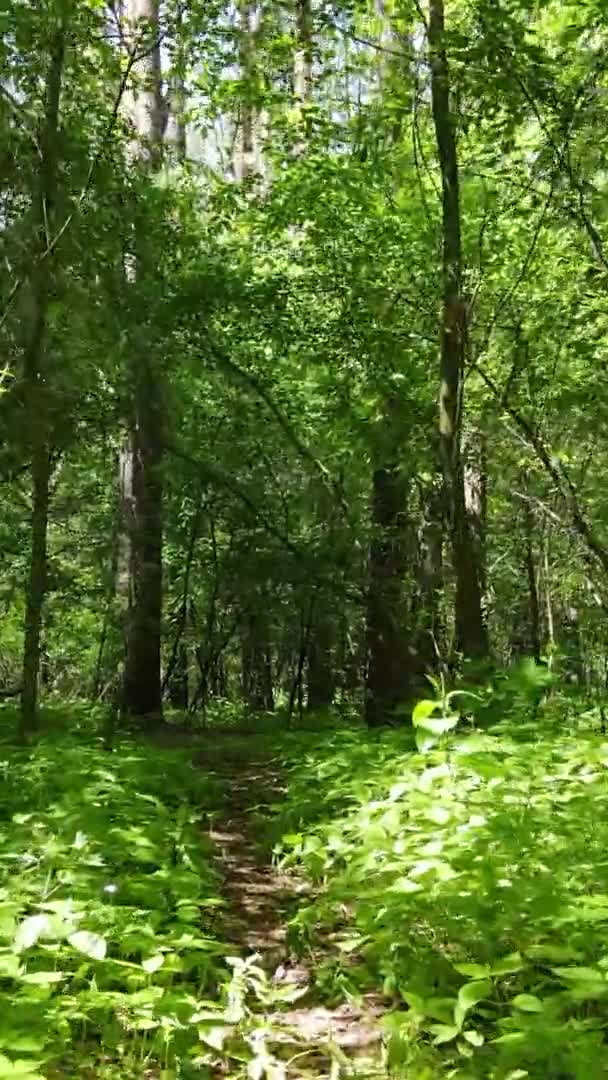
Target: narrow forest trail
309	1038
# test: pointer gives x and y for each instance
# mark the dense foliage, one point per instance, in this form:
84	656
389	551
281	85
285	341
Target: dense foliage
302	351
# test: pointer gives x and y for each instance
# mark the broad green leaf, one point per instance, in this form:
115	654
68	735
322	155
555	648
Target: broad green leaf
153	963
443	1033
92	945
475	1038
475	971
579	974
507	965
422	710
473	992
42	978
30	931
438	725
528	1003
214	1037
20	1069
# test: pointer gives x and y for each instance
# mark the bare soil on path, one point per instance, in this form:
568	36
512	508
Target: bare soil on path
312	1040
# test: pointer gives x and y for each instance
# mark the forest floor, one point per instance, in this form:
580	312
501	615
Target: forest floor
305	905
304	1036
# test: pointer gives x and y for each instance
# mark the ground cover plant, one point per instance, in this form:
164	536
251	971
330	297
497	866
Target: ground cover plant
470	881
108	900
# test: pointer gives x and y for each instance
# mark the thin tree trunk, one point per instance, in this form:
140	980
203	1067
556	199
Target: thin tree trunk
108	614
430	631
256	664
388	682
142	691
548	599
302	70
245	164
530	569
471	633
175	133
183	610
321	678
476	501
37	388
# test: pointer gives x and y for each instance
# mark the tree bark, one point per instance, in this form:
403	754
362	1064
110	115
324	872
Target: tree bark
476	502
430	629
471	633
245	162
388	682
256	664
530	569
321	679
302	70
141	468
36	378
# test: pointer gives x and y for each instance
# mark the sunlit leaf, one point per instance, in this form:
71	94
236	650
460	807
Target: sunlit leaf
92	945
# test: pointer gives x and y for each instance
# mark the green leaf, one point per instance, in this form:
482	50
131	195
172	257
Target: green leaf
423	710
475	1038
508	964
443	1033
18	1070
42	978
475	971
92	945
30	931
579	974
153	963
528	1003
473	992
438	725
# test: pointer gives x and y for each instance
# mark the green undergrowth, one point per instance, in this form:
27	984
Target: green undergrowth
112	962
468	882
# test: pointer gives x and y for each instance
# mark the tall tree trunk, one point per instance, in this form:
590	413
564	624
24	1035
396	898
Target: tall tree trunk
141	470
430	631
321	678
548	598
175	133
471	633
245	162
36	377
388	676
256	664
530	569
302	70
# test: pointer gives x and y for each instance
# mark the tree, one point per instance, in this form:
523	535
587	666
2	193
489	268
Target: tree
141	465
471	634
37	368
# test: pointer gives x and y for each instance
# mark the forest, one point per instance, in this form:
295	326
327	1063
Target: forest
304	541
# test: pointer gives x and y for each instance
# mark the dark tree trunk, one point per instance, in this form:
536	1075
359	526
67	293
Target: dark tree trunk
321	678
530	569
36	591
430	640
142	678
37	385
178	685
256	664
141	470
471	634
388	682
476	501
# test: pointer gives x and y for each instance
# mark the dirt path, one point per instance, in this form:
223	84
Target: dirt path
310	1039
